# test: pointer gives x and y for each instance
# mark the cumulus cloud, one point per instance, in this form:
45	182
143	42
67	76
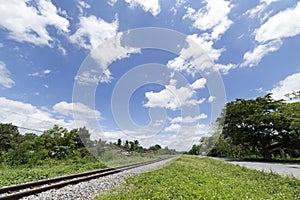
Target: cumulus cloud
213	17
188	119
282	25
199	83
172	97
252	58
207	46
288	85
224	68
5	80
173	128
39	118
269	35
211	99
103	56
27	23
193	58
111	51
93	31
27	115
213	20
151	6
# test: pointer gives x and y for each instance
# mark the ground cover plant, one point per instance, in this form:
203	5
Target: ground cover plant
49	169
191	177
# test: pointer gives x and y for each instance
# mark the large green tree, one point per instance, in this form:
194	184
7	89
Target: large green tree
258	125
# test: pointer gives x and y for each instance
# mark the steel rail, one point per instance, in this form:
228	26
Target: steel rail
25	189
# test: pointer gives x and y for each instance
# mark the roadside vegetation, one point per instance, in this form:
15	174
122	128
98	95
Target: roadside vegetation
59	151
260	129
191	177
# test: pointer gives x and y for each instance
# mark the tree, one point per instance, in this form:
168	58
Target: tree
119	142
9	137
155	147
257	125
83	137
195	150
126	145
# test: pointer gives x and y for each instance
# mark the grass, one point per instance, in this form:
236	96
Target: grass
112	159
48	169
198	178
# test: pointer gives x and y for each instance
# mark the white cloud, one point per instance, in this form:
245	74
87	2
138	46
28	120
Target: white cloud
282	25
111	51
269	35
68	109
45	86
224	69
47	71
112	2
188	119
104	55
40	118
172	97
213	17
173	128
211	99
193	56
259	9
27	115
207	46
199	83
40	74
93	31
26	23
252	58
5	80
288	85
93	77
151	6
178	4
84	4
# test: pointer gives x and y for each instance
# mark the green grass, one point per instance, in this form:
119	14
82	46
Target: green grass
112	159
48	169
202	178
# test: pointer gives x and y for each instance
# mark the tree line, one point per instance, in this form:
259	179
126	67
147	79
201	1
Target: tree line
59	143
260	128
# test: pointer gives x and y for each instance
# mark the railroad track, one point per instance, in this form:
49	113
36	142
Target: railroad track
30	188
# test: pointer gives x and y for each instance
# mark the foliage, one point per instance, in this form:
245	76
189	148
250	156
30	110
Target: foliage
192	177
47	169
9	137
262	127
59	151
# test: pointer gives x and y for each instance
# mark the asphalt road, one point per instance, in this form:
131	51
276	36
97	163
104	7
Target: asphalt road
283	169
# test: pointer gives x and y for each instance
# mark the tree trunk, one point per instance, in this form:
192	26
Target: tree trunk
267	154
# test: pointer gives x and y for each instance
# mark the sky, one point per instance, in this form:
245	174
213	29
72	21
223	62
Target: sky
159	71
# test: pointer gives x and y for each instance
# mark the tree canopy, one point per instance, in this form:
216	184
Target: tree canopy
262	127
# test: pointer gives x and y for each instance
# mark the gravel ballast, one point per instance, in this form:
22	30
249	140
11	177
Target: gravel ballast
92	188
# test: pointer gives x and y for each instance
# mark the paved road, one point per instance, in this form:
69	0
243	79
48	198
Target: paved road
280	168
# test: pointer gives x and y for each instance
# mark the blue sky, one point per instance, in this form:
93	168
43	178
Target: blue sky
46	45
